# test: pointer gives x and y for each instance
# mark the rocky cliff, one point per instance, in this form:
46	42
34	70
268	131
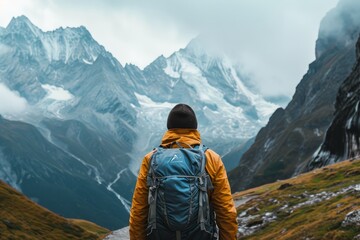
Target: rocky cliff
292	135
342	140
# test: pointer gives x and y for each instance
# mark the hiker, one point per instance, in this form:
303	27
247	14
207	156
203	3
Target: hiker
182	134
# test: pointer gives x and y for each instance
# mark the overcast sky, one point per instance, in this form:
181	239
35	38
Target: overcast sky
273	40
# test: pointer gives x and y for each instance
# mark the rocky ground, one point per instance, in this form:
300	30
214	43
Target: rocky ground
323	204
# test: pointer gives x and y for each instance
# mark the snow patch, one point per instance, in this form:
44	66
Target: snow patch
348	123
349	94
56	99
87	62
146	102
169	71
357	106
57	93
317	132
4	49
316	152
268	144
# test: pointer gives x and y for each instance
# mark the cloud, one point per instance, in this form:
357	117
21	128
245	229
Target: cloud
339	24
11	102
273	41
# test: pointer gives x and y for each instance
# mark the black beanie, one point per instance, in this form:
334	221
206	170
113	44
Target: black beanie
182	116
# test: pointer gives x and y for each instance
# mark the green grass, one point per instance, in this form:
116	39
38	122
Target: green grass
20	218
319	221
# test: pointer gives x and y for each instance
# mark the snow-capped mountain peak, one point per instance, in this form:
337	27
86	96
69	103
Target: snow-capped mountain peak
228	112
22	25
202	53
216	82
63	44
71	44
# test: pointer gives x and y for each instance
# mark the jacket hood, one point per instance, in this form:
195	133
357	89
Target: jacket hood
188	136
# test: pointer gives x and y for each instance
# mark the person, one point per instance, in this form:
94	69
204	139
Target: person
182	127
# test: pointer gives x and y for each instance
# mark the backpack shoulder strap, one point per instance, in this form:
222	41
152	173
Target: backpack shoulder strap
202	149
152	195
205	184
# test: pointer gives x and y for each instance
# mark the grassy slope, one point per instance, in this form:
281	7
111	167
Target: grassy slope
20	218
317	221
90	227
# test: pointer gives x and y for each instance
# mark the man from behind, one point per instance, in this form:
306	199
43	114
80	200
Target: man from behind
174	198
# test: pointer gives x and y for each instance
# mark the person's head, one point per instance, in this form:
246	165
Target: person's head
182	116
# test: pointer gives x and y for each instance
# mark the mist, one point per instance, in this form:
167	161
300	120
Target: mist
11	102
337	26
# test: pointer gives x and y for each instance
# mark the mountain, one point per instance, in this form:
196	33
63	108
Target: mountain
20	218
88	121
322	204
285	145
228	111
80	108
342	138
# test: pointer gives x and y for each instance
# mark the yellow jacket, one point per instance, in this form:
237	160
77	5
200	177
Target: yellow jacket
220	197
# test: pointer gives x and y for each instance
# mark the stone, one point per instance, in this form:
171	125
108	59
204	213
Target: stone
352	219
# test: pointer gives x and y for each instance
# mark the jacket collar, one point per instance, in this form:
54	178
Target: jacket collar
189	136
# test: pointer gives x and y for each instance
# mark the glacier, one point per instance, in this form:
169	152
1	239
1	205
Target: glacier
57	93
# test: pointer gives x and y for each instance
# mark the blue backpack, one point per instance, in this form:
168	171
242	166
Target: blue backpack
178	199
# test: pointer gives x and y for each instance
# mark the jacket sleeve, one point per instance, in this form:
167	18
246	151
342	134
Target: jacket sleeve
222	200
139	207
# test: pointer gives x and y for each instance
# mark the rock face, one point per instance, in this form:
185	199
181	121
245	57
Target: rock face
287	143
342	139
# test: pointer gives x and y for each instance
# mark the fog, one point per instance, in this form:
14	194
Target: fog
10	102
